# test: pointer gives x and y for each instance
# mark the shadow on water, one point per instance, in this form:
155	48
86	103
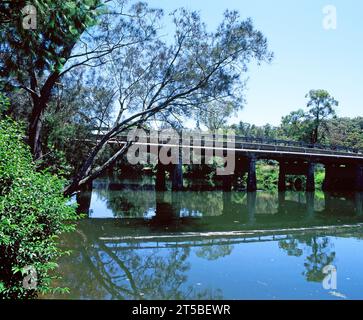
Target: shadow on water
211	245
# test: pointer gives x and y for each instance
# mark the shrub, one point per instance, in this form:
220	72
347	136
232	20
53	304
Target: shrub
319	179
33	213
267	176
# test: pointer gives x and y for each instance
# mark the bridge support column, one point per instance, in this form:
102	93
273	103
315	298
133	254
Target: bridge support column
359	178
327	184
227	182
343	177
160	184
310	181
176	177
282	177
251	178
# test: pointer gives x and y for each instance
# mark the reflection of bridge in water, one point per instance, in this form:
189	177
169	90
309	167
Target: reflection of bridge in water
223	238
220	214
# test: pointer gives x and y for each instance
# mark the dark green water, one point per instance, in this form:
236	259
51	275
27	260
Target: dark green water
138	244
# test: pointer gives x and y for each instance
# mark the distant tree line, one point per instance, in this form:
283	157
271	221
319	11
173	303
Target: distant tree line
318	123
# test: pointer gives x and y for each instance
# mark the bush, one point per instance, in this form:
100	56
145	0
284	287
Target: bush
33	213
319	179
267	176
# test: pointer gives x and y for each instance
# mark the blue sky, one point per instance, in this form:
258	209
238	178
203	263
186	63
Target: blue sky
306	55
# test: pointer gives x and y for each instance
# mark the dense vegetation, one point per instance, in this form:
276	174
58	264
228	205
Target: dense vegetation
33	213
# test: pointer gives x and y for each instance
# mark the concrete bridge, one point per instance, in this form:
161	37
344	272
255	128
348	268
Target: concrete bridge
343	166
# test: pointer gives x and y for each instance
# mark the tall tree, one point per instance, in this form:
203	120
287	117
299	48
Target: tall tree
68	34
321	107
297	126
158	80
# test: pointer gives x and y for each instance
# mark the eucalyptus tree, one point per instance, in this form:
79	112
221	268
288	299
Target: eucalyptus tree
216	114
82	104
67	35
309	126
321	107
158	79
297	126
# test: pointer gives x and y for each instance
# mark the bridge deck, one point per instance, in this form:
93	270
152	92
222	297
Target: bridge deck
208	141
256	148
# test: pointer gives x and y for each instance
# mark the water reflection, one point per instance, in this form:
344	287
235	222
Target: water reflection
212	245
217	210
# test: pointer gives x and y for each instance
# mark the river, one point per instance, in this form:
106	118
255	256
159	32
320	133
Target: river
140	244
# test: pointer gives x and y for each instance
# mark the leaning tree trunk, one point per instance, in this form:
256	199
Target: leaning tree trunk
86	175
34	130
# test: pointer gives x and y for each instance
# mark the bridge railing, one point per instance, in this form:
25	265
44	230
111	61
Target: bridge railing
209	137
288	143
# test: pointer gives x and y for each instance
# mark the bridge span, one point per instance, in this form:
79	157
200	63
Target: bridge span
343	165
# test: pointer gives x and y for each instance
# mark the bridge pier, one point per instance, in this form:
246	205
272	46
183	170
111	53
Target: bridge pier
160	184
282	177
359	178
328	180
310	180
165	213
251	177
176	174
343	177
295	167
227	182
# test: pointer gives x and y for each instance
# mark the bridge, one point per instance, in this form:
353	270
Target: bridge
343	165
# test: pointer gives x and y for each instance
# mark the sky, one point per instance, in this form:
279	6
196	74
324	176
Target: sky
306	55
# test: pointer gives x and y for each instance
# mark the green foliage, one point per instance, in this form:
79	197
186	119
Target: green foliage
296	126
46	48
67	124
33	213
4	104
267	176
321	107
310	126
346	132
319	179
250	130
54	162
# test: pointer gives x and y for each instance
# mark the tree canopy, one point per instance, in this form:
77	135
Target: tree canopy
118	50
